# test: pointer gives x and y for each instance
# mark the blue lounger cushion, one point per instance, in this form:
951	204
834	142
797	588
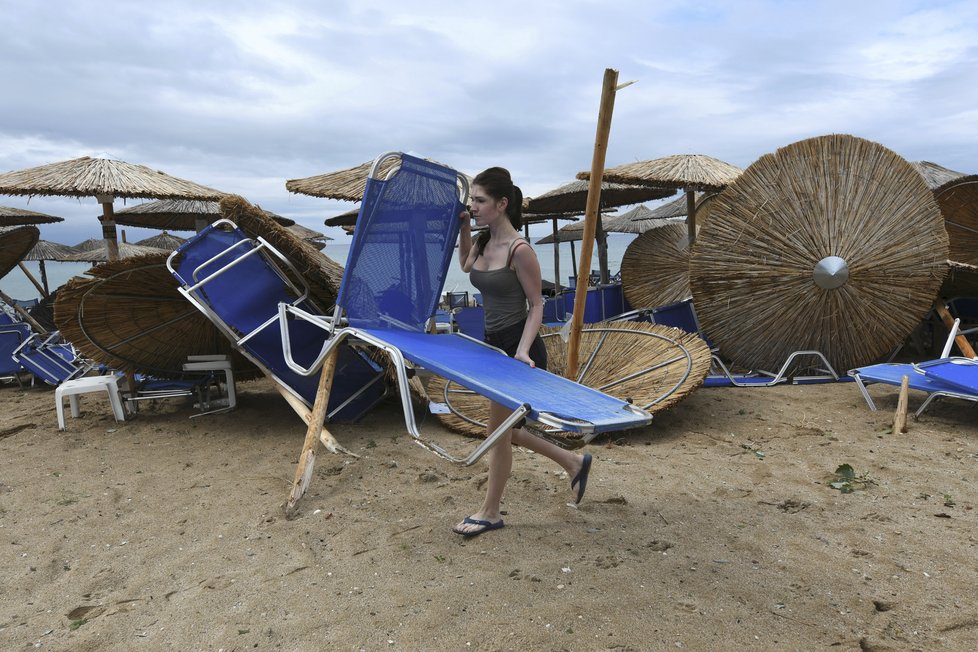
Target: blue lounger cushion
509	382
958	373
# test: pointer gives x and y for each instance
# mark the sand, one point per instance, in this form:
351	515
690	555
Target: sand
715	528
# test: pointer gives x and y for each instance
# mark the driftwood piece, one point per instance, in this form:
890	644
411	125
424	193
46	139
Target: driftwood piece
314	432
900	416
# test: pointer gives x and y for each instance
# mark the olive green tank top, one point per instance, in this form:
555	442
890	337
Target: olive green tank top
502	295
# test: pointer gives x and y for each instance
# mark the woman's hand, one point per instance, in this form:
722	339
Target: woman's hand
465	217
523	357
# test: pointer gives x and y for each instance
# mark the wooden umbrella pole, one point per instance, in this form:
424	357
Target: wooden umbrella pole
963	344
108	227
691	216
556	259
591	216
307	459
23	313
30	277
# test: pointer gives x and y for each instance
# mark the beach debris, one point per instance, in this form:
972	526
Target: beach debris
847	481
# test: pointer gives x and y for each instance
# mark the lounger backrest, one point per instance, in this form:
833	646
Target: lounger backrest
402	246
11	336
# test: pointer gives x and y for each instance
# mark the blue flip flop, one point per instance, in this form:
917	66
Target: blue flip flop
484	526
580	480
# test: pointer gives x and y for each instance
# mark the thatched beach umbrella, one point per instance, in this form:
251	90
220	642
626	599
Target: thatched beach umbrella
655	267
178	215
571	198
958	199
653	366
961	280
674	209
935	175
123	250
833	244
129	315
10	216
690	172
15	242
104	179
163	240
44	251
315	238
344	185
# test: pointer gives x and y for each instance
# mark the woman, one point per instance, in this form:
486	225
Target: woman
504	268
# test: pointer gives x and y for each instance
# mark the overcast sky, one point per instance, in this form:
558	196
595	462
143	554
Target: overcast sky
241	96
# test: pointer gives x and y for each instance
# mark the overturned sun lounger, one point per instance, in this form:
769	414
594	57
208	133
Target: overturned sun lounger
402	246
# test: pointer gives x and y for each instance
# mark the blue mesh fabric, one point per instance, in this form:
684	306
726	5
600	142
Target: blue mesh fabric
402	246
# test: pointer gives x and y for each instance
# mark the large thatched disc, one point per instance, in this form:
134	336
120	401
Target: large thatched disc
129	315
677	363
15	243
832	244
958	200
655	267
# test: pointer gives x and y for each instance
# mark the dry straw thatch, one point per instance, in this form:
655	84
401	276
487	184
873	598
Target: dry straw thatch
163	240
10	216
91	177
14	245
178	214
677	208
690	172
99	254
958	200
572	197
610	352
344	185
321	274
961	280
610	223
45	250
655	267
935	175
130	316
753	268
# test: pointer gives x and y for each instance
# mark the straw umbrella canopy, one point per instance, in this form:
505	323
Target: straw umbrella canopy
163	240
10	216
572	198
674	209
44	251
178	215
15	242
104	179
935	175
313	237
343	185
958	199
128	314
833	244
346	218
689	172
961	281
655	267
654	366
124	250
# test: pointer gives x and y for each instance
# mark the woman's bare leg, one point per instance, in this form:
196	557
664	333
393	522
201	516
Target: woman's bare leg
500	458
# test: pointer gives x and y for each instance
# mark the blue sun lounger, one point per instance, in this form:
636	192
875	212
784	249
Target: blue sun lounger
928	377
402	246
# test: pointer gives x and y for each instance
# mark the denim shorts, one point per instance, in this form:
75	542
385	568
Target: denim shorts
508	339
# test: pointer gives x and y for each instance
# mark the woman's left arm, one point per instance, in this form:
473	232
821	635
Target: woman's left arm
528	272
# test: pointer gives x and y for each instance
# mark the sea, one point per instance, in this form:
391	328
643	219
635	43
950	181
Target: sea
17	285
